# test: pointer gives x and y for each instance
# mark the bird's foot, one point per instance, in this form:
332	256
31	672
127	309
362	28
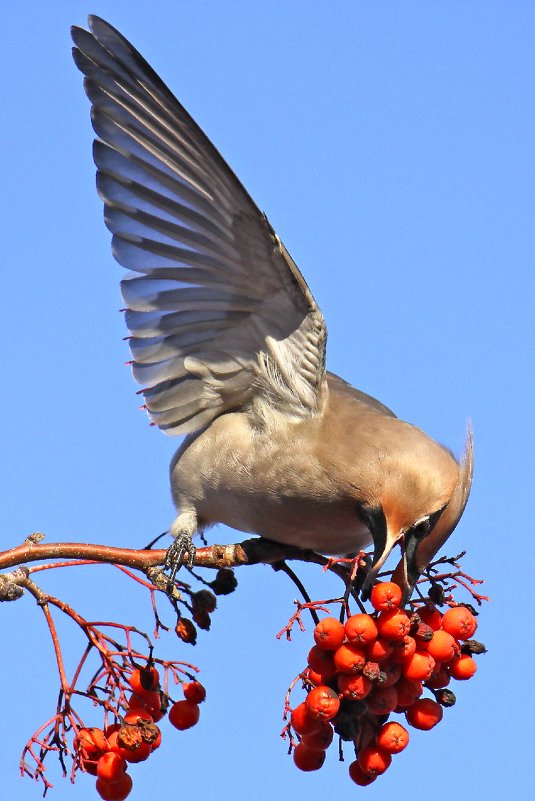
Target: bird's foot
181	547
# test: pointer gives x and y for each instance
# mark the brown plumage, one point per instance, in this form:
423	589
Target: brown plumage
229	345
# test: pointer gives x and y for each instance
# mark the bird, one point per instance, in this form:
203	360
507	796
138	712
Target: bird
229	346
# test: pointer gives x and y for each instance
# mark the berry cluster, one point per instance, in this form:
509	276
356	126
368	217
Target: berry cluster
106	753
376	664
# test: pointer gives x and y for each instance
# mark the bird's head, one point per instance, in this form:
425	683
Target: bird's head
420	519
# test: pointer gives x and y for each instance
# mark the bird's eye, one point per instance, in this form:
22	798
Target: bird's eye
421	529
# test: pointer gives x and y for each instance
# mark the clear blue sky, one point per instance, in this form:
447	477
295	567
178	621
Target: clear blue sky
391	145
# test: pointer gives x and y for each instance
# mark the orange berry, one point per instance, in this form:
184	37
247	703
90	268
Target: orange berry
439	678
135	714
379	650
114	791
307	759
315	678
373	760
359	777
408	691
329	634
91	742
143	680
382	700
393	738
459	622
392	673
442	646
349	658
184	715
386	595
320	740
151	701
321	661
424	714
393	625
158	741
462	667
355	687
361	629
403	649
322	703
302	721
419	666
430	615
194	692
110	766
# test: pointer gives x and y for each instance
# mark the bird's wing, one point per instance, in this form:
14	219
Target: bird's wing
218	311
341	387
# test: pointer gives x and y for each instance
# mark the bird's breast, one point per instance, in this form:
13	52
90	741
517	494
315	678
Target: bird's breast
268	483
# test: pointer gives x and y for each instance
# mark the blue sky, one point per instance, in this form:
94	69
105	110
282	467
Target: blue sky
391	145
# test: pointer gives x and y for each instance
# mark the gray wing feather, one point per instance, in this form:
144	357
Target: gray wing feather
217	310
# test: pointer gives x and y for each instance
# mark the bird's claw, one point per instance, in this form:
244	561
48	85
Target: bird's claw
174	558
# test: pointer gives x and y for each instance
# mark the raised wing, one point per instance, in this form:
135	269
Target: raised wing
218	312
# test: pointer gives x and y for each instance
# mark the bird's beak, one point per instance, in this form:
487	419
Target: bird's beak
382	548
417	554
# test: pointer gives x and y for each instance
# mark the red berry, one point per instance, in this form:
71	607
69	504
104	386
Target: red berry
110	766
424	714
114	791
361	629
194	692
462	667
307	759
386	595
329	634
322	703
393	625
184	715
359	777
373	760
459	622
393	738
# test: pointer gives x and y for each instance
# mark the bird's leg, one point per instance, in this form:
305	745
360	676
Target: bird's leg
182	529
